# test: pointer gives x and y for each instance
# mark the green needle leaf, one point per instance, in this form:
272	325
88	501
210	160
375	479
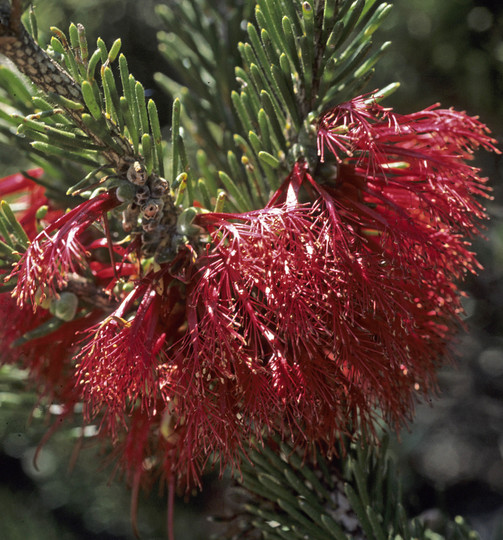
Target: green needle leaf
241	200
90	100
157	136
114	50
93	63
269	159
15	227
142	108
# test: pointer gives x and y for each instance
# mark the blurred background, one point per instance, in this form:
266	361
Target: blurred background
447	51
451	51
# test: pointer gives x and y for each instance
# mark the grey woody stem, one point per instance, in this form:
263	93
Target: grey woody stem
17	45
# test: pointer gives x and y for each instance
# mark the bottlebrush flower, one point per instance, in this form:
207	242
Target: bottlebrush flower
315	319
116	368
36	341
295	327
49	260
405	178
311	318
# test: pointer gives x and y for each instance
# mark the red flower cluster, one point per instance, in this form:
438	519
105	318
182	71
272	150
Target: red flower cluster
49	260
311	318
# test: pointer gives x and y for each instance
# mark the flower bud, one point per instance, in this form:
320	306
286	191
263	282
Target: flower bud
158	186
41	212
65	307
142	195
184	224
125	192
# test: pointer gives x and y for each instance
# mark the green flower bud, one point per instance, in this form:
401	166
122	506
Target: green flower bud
125	192
65	307
41	212
184	223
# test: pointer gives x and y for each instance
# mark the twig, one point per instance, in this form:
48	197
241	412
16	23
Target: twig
17	45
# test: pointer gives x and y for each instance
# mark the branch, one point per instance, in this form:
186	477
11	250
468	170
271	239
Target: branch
31	60
17	45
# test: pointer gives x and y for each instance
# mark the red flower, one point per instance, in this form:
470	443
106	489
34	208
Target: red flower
116	368
311	318
405	179
49	260
297	327
314	319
